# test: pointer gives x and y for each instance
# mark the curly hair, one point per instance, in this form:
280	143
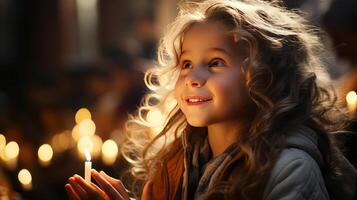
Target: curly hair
285	78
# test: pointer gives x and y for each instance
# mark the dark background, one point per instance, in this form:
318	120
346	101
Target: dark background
50	67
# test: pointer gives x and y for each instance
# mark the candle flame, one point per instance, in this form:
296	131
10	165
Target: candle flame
87	154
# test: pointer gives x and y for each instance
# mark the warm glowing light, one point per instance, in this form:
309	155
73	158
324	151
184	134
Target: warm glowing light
110	148
2	142
75	133
85	143
25	178
109	151
87	166
86	128
12	150
87	154
62	141
97	146
45	154
351	99
154	117
82	114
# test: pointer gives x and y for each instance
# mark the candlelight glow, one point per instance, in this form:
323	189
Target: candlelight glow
2	142
85	143
109	151
12	150
45	154
97	146
82	114
62	141
351	97
154	117
87	154
86	128
75	133
25	178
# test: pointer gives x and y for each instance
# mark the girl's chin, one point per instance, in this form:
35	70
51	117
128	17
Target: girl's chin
197	123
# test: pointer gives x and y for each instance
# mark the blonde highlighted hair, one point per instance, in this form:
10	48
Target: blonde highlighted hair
285	79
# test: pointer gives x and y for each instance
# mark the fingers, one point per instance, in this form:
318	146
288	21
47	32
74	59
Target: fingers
71	193
110	188
117	184
106	186
78	190
147	191
92	191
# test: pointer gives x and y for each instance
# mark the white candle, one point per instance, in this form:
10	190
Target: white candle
87	167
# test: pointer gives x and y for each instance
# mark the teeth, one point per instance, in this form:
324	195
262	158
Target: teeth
196	100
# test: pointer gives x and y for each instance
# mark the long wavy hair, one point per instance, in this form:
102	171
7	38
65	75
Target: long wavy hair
285	78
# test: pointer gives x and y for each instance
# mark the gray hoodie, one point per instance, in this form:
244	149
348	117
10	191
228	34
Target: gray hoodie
297	173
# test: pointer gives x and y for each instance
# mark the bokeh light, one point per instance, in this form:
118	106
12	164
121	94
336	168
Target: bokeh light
86	128
75	133
82	114
25	178
85	143
109	152
62	141
2	142
45	154
351	100
351	97
12	150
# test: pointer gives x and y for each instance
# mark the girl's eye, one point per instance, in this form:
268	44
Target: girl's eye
217	62
186	65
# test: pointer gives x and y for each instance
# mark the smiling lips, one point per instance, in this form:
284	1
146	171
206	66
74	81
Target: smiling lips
196	100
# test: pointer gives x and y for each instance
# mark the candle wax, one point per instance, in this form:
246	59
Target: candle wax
87	171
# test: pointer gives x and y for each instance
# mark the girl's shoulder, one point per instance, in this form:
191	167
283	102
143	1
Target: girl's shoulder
295	175
297	172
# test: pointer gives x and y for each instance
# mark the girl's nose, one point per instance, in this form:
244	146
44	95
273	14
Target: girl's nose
196	78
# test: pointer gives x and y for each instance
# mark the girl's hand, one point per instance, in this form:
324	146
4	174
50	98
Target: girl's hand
109	188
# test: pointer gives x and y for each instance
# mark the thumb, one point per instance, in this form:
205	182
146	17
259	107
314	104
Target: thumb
147	191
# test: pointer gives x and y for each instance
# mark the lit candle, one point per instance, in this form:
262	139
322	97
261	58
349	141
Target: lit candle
351	99
87	166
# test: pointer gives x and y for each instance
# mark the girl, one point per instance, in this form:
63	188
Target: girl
247	112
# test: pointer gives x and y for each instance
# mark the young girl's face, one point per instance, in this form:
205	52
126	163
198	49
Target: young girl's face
210	88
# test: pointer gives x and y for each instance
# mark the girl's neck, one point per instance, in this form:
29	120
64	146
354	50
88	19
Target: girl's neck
222	135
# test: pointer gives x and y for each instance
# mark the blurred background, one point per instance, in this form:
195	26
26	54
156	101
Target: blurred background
71	71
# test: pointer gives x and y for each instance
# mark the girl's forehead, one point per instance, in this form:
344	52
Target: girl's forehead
207	35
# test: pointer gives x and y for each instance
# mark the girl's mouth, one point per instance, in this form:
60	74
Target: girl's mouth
197	100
